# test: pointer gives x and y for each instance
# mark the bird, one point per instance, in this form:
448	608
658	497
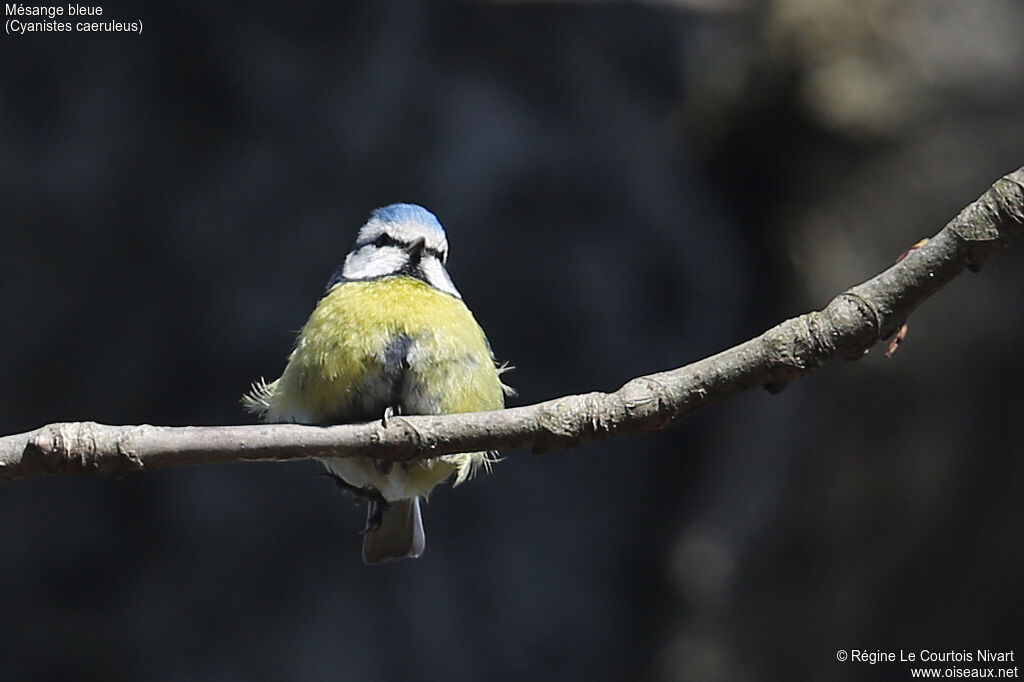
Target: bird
390	336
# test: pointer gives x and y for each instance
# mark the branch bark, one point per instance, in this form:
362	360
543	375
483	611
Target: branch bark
847	327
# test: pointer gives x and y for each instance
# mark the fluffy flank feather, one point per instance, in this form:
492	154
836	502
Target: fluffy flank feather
257	400
466	465
505	388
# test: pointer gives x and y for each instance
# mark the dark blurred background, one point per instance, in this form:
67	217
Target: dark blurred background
627	187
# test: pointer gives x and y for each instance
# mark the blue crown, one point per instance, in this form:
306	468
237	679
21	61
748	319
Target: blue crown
405	213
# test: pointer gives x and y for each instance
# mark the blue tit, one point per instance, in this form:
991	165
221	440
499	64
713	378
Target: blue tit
390	336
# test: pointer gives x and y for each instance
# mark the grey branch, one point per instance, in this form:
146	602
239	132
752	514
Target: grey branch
847	327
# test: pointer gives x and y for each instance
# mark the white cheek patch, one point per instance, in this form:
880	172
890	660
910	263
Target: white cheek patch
437	276
369	232
372	261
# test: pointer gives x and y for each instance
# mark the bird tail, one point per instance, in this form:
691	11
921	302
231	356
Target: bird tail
399	535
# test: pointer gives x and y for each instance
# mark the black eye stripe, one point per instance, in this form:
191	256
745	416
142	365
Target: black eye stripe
385	240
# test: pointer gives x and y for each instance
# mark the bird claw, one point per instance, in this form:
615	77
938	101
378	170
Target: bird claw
389	412
375	516
376	504
368	494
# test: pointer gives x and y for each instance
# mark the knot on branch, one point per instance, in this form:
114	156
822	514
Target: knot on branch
1008	196
66	446
573	421
848	326
793	348
401	432
991	222
855	322
647	403
82	447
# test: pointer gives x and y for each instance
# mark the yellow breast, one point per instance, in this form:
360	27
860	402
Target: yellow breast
395	338
392	342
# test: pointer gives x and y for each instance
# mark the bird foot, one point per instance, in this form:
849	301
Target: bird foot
368	494
375	513
376	504
389	412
